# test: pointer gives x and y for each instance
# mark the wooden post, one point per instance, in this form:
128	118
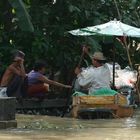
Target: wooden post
7	112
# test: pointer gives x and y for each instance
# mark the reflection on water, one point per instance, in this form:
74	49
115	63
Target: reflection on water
55	128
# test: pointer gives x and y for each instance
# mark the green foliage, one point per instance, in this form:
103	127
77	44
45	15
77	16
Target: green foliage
50	40
22	15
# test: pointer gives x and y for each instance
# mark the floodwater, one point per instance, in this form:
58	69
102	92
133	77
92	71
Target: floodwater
32	127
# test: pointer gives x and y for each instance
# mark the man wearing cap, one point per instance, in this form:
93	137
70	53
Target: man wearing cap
97	76
15	69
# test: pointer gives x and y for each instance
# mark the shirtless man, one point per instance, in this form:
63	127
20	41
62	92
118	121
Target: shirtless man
15	69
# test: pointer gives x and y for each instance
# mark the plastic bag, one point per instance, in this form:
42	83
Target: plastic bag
123	77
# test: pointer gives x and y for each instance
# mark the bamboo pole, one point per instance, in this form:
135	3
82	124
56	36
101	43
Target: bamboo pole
138	82
124	44
119	14
128	53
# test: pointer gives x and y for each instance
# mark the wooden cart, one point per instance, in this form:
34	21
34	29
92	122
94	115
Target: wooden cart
89	106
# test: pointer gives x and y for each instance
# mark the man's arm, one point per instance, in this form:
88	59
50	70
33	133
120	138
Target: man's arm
23	69
87	55
84	78
20	72
51	82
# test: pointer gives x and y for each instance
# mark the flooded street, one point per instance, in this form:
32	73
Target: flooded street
32	127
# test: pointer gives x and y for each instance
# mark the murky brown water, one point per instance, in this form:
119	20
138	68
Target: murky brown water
55	128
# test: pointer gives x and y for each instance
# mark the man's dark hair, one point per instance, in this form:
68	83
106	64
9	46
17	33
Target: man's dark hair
20	54
39	65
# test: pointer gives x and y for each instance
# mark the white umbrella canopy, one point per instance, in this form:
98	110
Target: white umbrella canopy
112	28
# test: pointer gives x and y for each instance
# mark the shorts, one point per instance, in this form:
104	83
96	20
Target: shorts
38	89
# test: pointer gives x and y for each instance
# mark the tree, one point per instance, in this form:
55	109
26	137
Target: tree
49	39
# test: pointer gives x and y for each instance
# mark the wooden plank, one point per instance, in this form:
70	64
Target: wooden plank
101	100
93	100
40	104
122	100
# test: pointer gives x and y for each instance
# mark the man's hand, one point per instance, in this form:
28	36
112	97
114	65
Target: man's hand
77	70
22	61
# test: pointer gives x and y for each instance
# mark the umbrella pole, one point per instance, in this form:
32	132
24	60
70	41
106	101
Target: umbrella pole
113	82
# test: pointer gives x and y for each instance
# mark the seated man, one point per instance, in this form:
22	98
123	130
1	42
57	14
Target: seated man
38	84
95	77
13	77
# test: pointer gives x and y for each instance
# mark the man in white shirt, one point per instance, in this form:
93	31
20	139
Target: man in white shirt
97	76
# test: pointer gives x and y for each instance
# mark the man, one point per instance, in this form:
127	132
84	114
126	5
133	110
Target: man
97	76
38	84
13	76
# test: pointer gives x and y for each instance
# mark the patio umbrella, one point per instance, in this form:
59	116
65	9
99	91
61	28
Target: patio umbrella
112	28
